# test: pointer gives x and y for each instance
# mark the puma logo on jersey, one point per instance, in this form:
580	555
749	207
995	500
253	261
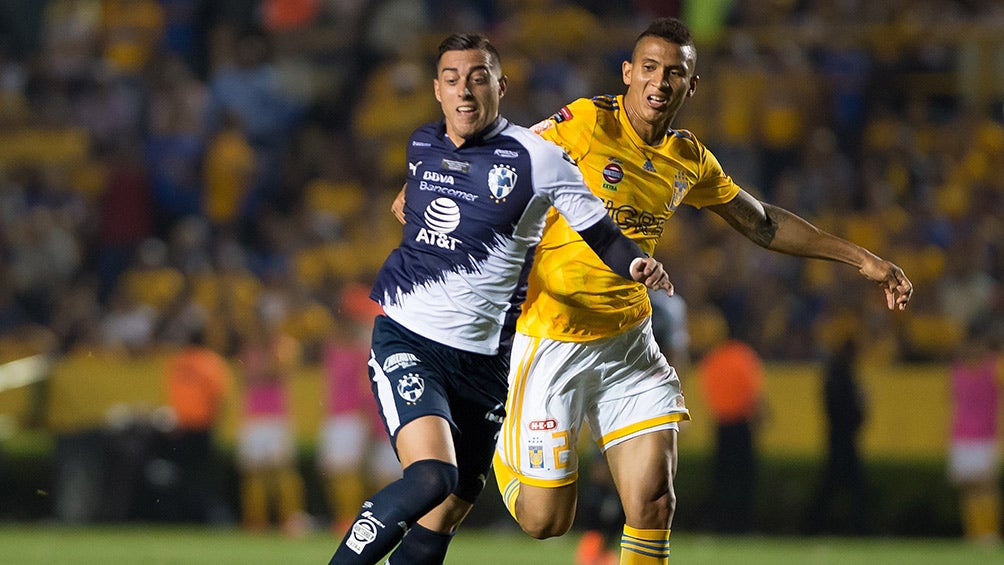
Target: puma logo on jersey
413	167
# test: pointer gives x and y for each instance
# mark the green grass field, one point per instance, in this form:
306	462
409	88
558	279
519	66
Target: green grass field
151	545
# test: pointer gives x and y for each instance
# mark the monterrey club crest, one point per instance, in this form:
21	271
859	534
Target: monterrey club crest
501	181
410	387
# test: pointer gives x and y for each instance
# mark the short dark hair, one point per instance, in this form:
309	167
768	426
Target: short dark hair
465	41
670	29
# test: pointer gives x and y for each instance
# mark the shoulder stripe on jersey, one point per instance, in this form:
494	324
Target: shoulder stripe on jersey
681	133
605	102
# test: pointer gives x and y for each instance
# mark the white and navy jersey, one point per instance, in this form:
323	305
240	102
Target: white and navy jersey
474	215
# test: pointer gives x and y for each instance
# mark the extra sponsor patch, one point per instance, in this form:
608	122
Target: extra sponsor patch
613	173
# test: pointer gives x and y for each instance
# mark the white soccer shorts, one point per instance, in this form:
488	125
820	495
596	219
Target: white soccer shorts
973	461
622	386
264	443
342	443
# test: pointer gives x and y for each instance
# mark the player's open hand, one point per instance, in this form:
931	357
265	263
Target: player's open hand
398	206
650	272
898	289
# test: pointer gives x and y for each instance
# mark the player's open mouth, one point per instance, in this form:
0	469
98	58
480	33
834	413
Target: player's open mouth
467	109
657	101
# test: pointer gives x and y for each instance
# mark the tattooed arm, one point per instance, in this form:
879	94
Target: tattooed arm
777	229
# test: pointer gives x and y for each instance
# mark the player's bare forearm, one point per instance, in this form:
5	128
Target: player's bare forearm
777	229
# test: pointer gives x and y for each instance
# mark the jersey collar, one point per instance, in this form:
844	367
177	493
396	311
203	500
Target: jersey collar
479	138
635	138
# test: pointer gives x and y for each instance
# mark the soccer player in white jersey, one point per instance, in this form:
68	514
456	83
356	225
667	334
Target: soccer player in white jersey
584	348
478	191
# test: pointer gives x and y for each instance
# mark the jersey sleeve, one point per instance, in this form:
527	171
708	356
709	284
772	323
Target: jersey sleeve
713	185
571	127
556	177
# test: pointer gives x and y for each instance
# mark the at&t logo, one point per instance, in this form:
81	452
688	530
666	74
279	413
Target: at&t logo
442	216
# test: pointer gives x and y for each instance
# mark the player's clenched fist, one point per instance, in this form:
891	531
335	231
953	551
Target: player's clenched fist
650	271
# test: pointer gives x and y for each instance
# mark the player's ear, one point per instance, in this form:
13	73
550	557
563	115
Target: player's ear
693	84
626	73
503	85
435	88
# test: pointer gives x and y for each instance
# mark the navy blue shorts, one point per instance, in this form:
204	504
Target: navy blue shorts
412	376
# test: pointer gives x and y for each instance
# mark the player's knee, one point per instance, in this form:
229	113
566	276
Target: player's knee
432	479
653	512
543	525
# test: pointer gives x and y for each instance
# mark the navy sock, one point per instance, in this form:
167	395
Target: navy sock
387	515
421	546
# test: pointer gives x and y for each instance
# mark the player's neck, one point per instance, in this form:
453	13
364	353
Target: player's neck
652	134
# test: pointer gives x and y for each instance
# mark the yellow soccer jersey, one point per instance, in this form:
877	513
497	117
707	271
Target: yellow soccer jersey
572	294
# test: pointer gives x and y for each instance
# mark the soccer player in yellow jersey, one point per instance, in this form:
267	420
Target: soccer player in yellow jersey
584	348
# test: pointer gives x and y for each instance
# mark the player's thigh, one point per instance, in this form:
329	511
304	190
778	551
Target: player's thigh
409	380
643	469
547	505
478	411
640	391
426	437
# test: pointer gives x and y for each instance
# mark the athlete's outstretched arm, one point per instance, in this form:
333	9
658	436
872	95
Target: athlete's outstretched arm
777	229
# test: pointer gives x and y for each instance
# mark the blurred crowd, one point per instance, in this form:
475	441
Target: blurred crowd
170	166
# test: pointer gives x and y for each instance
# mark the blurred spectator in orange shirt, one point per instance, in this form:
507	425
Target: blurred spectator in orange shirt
197	381
732	381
